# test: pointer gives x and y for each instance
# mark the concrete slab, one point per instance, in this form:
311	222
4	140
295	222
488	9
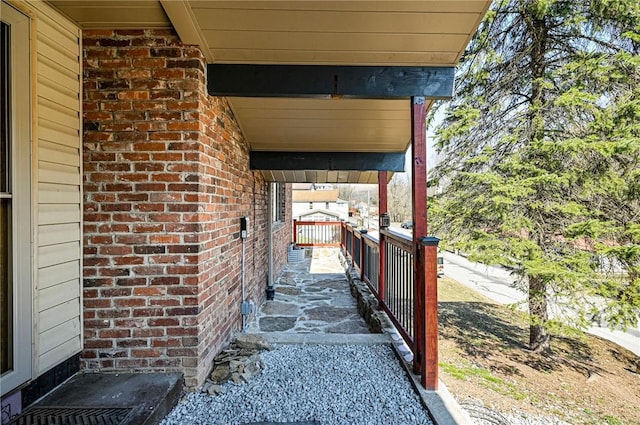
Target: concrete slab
325	339
150	396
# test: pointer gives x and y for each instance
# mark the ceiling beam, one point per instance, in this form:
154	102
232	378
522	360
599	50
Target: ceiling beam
369	82
331	161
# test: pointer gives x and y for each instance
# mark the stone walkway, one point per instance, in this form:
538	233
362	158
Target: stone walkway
312	297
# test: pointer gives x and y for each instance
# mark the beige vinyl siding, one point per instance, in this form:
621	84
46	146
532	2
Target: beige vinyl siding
58	211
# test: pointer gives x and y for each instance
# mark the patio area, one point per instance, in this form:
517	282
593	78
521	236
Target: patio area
325	367
312	296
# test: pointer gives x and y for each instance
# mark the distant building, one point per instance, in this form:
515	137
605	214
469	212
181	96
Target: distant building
318	203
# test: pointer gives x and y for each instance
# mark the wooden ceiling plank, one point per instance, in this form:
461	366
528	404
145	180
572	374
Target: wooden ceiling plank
283	40
361	21
257	124
358	5
344	57
338	105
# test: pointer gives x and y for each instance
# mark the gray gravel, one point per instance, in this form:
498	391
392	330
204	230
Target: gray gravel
329	384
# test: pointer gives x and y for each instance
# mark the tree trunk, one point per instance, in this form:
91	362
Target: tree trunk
539	339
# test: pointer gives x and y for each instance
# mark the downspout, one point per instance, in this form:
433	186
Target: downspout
270	288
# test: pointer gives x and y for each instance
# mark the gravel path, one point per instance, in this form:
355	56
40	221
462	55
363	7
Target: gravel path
329	384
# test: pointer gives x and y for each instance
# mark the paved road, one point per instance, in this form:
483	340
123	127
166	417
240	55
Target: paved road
497	283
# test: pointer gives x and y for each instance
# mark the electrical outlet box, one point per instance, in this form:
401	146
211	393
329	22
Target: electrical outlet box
247	308
244	227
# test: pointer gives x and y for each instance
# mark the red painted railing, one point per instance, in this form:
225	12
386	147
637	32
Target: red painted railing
396	297
396	288
317	233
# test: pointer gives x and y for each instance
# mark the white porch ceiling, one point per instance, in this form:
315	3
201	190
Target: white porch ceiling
315	32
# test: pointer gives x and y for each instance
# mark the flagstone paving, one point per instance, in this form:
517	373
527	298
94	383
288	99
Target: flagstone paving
311	296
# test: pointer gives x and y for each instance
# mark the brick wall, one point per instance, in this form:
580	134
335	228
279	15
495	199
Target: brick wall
166	180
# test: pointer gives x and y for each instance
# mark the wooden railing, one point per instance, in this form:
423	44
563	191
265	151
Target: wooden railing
317	233
396	297
393	282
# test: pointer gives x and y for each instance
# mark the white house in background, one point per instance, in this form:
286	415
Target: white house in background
312	203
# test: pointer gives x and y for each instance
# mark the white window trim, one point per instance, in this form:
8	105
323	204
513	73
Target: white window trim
22	196
276	201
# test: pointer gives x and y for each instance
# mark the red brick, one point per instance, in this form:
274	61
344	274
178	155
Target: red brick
130	302
114	333
150	291
148	333
166	177
146	353
164	322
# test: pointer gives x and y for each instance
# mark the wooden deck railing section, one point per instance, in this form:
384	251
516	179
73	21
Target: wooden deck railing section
397	296
392	283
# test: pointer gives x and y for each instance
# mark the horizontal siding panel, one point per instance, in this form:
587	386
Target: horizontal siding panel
57	254
49	193
56	93
58	113
58	233
64	58
52	317
57	173
59	273
58	213
58	69
58	335
59	354
58	294
59	154
54	28
54	132
57	74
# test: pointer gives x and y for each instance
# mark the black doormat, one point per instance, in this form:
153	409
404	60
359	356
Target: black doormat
73	416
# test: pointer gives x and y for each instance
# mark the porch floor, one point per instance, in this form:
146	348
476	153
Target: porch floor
312	297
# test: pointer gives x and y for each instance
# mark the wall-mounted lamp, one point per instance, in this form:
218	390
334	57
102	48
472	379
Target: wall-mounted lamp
385	221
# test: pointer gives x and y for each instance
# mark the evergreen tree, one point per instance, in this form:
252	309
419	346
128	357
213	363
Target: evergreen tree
541	147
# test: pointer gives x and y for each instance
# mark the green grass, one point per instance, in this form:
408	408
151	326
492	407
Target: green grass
611	420
483	377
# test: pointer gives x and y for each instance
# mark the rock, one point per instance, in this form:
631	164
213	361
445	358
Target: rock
287	290
277	323
280	308
220	374
252	341
236	378
215	389
329	314
592	377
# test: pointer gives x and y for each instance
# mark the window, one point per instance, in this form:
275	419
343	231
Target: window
278	203
6	348
15	201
